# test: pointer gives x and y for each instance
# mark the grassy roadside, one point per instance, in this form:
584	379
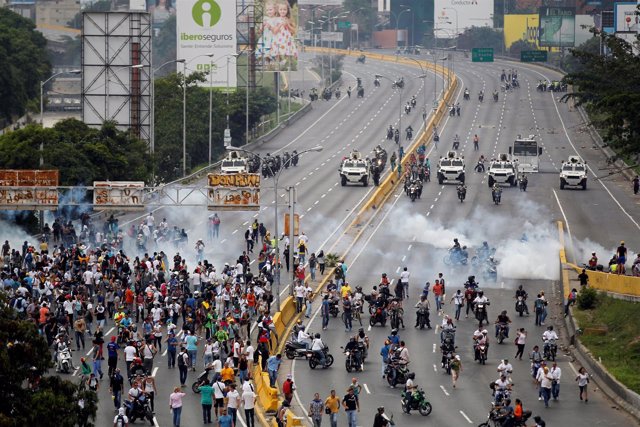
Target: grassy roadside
619	348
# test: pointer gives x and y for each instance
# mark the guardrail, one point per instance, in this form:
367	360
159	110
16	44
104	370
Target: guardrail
611	282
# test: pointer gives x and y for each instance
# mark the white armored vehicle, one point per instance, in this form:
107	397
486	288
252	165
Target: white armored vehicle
234	163
354	169
503	170
451	168
573	173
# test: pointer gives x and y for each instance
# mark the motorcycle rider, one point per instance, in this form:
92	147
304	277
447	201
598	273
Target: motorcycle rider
448	329
495	95
524	181
456	142
409	132
522	293
503	320
501	388
423	304
505	368
317	346
304	338
390	132
396	306
547	336
466	93
496	191
536	361
381	419
354	347
446	347
481	299
409	388
480	338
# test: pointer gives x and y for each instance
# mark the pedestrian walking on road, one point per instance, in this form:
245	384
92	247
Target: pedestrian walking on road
476	140
556	374
458	300
249	402
521	338
233	403
456	368
351	406
206	401
288	388
313	262
545	386
183	365
333	403
583	382
116	384
316	410
636	185
325	310
175	405
384	353
192	349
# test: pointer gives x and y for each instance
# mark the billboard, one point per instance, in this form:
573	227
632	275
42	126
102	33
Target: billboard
277	33
234	192
557	26
625	18
207	27
118	194
457	15
27	189
322	2
521	27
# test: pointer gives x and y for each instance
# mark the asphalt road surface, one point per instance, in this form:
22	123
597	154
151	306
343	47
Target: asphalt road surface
416	235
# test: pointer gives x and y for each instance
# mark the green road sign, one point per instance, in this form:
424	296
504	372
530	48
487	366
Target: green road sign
344	25
482	54
533	56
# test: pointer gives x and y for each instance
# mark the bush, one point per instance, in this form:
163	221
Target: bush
331	260
587	299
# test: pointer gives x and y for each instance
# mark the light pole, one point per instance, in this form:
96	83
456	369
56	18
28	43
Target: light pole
398	23
276	178
424	84
456	12
401	89
329	20
42	83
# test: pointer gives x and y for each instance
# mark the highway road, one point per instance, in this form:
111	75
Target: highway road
416	235
324	206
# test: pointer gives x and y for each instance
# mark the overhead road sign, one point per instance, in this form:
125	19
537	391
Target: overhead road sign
482	54
533	56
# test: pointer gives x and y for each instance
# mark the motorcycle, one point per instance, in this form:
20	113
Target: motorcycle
407	109
455	258
351	362
360	93
338	93
413	192
550	350
423	318
378	317
401	372
456	144
139	408
376	82
521	306
396	136
389	133
481	312
195	387
413	102
466	95
448	356
314	361
523	183
65	363
452	111
395	316
462	193
490	273
495	418
294	349
479	167
399	84
409	133
495	96
333	308
502	332
481	97
360	59
418	402
496	195
482	353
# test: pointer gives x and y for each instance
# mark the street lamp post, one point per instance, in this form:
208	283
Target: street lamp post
424	84
398	23
276	178
456	12
42	84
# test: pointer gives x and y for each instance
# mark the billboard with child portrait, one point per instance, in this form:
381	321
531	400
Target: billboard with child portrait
277	35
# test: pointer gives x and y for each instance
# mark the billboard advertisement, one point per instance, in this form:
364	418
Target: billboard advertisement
234	192
457	15
28	189
207	27
625	18
557	26
277	45
521	27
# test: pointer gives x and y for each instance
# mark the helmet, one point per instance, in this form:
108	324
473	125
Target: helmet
485	243
411	375
384	274
302	328
480	293
361	330
381	409
455	240
317	335
520	287
550	327
394	332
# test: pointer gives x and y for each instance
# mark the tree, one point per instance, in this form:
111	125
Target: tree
608	86
573	64
23	64
520	45
475	37
29	397
81	154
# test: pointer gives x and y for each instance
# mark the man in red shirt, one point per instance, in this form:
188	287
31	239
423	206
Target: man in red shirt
287	389
437	293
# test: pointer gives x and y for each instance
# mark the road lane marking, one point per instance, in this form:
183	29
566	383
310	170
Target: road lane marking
366	388
110	330
446	393
154	372
434	347
435	369
465	417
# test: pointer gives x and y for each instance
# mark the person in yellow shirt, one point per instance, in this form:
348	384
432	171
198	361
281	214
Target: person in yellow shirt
333	403
227	374
345	290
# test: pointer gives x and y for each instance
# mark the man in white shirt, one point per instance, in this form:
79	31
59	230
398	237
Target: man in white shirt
505	368
130	353
556	374
501	386
304	338
249	350
300	294
404	279
218	394
549	336
317	346
249	402
121	420
233	402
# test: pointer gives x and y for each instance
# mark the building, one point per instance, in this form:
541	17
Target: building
56	12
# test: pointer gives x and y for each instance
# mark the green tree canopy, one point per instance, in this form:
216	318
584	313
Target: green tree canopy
23	64
164	45
481	37
608	85
82	154
29	397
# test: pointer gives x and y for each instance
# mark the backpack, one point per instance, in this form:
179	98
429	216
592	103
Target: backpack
120	421
181	360
539	305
